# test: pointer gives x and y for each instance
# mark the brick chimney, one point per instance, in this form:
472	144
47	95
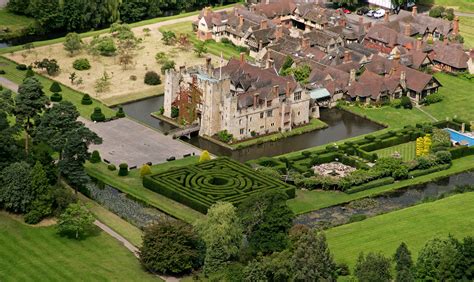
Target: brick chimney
207	11
279	32
255	100
414	11
208	65
276	90
260	45
264	24
242	57
419	44
269	63
403	79
288	89
241	20
386	17
347	56
456	25
305	43
407	30
352	76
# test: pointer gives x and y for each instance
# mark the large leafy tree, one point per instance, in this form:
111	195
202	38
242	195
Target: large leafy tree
171	247
267	220
72	43
75	221
373	268
16	193
29	104
8	146
41	206
222	234
404	264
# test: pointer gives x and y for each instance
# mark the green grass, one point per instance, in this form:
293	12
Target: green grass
467	31
132	185
215	48
39	254
414	226
307	201
105	30
314	124
15	23
406	150
461	5
458	98
69	94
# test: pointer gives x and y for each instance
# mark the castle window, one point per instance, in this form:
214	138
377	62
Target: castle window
298	113
269	113
297	96
273	124
241	131
240	121
250	118
261	115
269	103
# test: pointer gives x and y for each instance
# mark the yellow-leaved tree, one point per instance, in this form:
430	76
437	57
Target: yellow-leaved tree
204	156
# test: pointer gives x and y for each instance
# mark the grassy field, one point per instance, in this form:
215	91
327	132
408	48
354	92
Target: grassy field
69	94
39	254
213	47
307	201
14	23
406	150
467	31
132	185
414	226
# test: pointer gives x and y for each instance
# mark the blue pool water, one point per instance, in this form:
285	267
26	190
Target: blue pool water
458	137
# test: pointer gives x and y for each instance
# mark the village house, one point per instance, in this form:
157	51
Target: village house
310	16
239	98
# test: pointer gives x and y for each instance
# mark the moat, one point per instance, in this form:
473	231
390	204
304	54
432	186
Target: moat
341	125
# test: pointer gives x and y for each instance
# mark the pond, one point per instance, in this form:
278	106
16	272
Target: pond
395	200
341	125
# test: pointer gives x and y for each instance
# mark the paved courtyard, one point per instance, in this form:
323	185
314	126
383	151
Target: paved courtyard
127	141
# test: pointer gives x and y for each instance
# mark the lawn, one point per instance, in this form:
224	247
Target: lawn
407	151
132	185
13	22
39	254
69	94
461	5
307	201
414	226
467	31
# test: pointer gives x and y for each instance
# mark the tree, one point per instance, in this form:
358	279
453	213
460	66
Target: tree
404	264
200	48
286	67
51	66
41	206
169	64
372	268
267	220
171	247
311	259
467	263
406	102
145	170
8	132
302	73
222	234
15	190
183	41
29	104
55	87
204	156
169	37
72	43
76	220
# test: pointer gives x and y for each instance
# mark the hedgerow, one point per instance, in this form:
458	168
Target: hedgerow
200	186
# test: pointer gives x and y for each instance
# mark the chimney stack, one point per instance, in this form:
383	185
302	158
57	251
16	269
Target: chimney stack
305	43
276	90
403	79
414	11
386	17
279	32
419	44
255	100
207	11
260	45
352	76
264	24
407	30
208	64
270	63
347	56
396	59
242	57
456	25
288	89
241	20
182	69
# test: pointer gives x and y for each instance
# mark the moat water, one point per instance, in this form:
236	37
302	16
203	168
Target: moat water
341	125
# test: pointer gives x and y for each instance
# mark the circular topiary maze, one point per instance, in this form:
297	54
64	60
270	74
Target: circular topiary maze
202	185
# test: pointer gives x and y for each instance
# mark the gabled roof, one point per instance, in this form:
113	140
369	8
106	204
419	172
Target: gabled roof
450	55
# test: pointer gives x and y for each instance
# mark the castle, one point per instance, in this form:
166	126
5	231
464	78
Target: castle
240	98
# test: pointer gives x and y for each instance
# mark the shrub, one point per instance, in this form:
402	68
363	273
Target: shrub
224	136
443	157
111	167
425	162
204	157
161	57
357	217
81	64
120	113
86	100
174	112
370	185
433	98
97	115
436	11
51	66
400	173
406	102
343	269
152	78
29	73
21	67
2	72
95	157
105	46
56	97
145	170
55	87
123	169
167	65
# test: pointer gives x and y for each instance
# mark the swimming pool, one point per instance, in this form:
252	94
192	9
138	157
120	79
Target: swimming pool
458	137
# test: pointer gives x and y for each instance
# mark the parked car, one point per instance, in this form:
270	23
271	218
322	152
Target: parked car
362	11
379	13
370	13
346	11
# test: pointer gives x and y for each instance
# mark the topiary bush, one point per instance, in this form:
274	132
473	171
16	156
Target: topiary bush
2	72
81	64
204	157
86	100
145	170
95	157
120	113
152	78
97	115
55	87
406	103
123	169
111	167
21	67
29	73
56	97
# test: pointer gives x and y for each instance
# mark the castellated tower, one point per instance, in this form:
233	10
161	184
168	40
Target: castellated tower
172	80
215	109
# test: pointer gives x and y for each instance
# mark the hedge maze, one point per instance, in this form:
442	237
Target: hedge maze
200	186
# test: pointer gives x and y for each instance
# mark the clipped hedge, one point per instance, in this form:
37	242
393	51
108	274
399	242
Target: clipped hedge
371	184
461	151
97	115
123	169
56	97
201	185
420	172
86	100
